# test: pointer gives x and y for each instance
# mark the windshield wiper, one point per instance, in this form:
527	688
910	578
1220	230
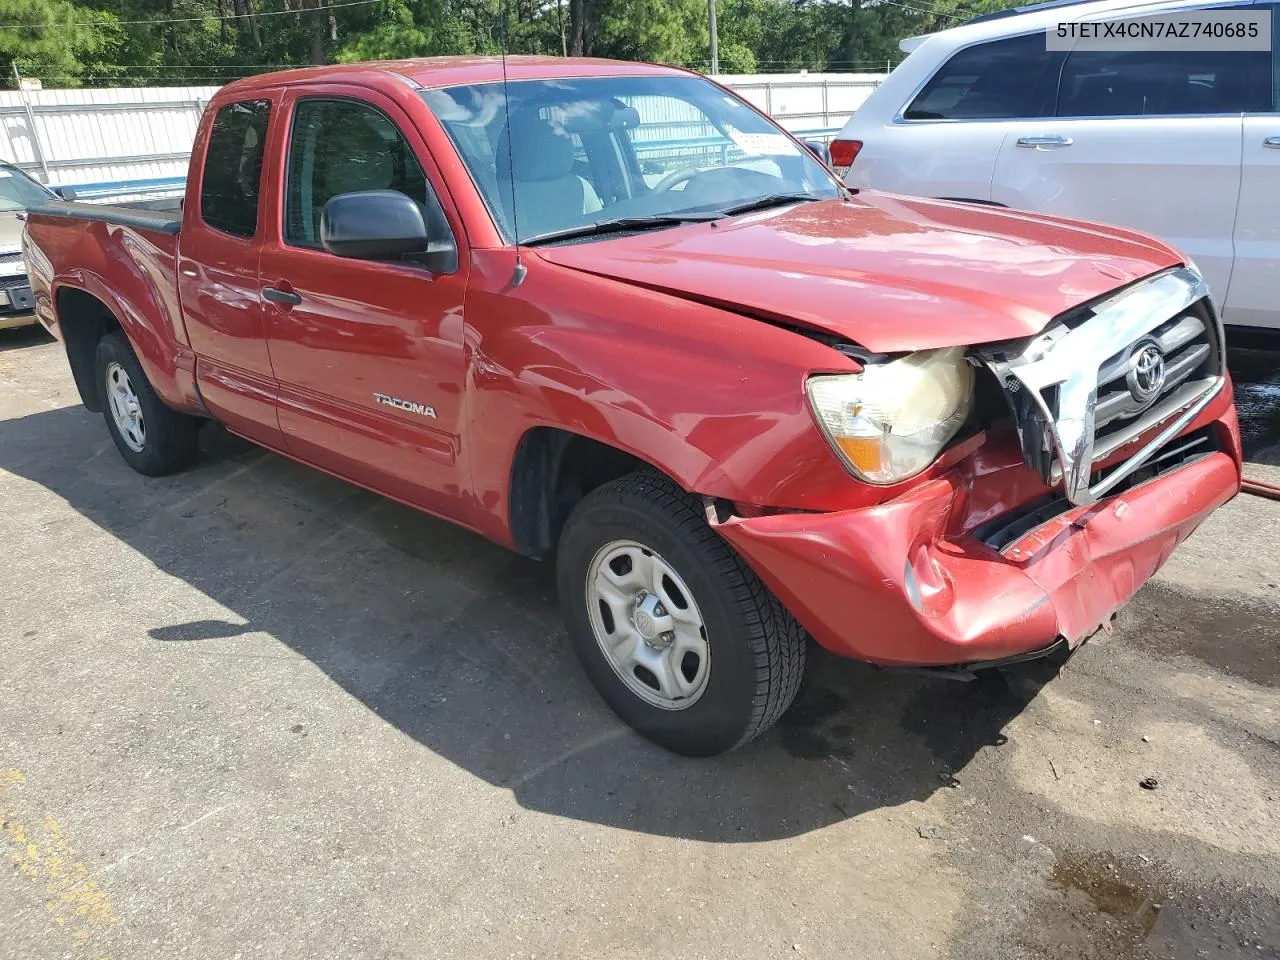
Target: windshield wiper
772	200
621	225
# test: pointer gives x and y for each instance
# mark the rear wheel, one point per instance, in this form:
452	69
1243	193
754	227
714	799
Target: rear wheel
680	637
153	439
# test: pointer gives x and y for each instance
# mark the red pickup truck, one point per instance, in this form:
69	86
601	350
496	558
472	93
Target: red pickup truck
610	313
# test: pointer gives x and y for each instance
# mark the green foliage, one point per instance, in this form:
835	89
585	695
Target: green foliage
737	57
411	28
219	40
667	31
64	50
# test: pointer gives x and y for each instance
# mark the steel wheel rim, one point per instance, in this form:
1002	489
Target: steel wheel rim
648	625
126	411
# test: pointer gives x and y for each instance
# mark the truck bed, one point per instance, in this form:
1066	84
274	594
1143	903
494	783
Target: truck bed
139	218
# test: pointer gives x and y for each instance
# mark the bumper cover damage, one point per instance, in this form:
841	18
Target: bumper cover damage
890	585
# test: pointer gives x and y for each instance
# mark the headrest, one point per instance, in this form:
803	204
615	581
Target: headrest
361	160
539	151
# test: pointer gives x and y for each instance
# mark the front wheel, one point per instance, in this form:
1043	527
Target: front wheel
677	633
153	439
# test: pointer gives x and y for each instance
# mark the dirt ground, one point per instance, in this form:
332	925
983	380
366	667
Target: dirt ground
251	711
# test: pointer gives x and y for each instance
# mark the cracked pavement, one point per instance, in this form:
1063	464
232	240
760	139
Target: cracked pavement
253	711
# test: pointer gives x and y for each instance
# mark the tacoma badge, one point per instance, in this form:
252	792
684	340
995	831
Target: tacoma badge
418	408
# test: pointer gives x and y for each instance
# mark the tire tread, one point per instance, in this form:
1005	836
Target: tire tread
172	437
776	640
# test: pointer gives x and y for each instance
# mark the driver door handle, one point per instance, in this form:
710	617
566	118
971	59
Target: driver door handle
1044	141
276	295
1272	142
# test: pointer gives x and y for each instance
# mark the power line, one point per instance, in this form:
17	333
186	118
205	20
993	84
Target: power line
51	24
930	11
921	10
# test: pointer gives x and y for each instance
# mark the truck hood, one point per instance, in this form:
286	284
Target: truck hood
891	273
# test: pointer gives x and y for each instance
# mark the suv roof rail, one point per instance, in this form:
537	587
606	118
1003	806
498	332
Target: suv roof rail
1025	8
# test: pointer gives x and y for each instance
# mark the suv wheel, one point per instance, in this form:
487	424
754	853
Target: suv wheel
680	637
153	439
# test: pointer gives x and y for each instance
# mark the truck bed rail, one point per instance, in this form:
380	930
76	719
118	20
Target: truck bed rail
157	221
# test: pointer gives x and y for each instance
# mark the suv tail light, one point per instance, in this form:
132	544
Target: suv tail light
843	153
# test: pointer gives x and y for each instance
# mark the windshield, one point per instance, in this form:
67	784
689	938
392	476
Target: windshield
18	191
589	151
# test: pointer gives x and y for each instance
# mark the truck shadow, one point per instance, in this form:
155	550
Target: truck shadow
459	645
19	338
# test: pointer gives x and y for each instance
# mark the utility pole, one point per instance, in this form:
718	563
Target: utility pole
715	41
32	133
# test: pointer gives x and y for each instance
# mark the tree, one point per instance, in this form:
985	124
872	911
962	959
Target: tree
130	42
415	28
578	28
62	40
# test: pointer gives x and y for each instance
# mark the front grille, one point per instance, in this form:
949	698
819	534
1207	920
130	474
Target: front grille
7	258
1190	355
1128	372
1007	529
8	283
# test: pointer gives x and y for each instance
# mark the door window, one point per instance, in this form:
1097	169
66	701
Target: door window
1002	80
1136	83
342	146
233	167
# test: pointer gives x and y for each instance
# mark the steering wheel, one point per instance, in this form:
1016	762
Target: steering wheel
675	178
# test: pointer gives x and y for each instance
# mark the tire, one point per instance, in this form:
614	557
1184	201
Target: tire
754	649
159	441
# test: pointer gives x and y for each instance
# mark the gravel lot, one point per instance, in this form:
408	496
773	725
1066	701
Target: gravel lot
252	711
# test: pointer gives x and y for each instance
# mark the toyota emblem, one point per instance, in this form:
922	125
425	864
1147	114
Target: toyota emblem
1146	372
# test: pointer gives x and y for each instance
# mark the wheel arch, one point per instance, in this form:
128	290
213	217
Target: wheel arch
83	320
552	469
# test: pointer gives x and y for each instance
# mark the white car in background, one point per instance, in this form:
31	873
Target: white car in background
17	192
1184	145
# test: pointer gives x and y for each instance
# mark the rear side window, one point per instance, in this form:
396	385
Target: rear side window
233	167
1001	80
1136	83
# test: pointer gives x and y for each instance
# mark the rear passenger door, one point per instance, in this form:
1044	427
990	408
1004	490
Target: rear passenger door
1143	139
221	241
946	140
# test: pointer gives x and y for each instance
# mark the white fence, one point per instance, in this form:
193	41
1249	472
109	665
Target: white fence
133	143
810	105
105	142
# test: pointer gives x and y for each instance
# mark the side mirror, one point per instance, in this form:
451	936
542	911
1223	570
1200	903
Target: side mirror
653	166
819	150
383	225
65	193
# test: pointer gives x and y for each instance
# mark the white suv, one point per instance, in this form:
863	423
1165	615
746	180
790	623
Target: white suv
1183	145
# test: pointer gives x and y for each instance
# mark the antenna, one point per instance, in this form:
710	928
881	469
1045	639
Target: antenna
518	275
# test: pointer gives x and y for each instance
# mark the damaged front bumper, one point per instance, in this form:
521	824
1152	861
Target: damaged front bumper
915	582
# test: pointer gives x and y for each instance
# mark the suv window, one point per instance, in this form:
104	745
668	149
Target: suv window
1001	80
1135	83
233	167
341	146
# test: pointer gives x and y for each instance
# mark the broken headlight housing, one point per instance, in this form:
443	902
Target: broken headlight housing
890	421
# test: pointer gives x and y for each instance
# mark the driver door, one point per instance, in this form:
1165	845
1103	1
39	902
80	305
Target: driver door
369	355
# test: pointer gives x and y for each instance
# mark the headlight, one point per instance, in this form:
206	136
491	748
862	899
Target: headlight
892	420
